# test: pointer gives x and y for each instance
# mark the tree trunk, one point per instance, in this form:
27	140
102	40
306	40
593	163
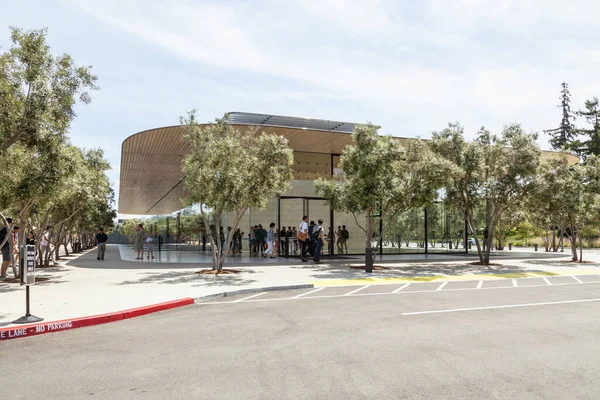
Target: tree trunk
573	240
580	248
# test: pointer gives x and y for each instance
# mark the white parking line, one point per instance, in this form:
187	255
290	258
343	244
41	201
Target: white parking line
577	279
441	286
249	297
401	287
479	284
497	307
397	291
546	280
307	293
515	283
357	290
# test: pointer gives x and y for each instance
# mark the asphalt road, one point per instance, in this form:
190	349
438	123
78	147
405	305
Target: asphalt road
543	343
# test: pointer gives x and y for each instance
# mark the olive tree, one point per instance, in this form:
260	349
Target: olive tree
38	93
493	172
229	170
568	196
382	179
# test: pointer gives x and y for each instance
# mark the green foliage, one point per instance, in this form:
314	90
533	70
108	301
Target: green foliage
567	196
128	226
38	91
379	174
591	114
564	137
494	172
46	180
230	170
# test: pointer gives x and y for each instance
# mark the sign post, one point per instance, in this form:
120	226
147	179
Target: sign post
27	263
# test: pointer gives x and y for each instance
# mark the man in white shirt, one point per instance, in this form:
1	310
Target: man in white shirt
303	232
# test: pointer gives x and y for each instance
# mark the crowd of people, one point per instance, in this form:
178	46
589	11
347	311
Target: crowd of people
9	239
285	241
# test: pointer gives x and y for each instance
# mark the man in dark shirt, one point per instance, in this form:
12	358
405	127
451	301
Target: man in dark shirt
261	236
101	239
5	237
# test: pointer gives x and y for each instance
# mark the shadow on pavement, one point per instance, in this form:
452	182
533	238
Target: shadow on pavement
415	270
558	263
197	280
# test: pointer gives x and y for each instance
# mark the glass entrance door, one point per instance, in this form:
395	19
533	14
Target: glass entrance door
291	211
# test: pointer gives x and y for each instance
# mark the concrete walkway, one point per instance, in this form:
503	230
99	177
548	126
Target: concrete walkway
84	286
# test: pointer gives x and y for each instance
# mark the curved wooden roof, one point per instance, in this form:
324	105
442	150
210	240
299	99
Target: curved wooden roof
151	181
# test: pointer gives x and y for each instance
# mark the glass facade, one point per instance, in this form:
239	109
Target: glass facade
438	229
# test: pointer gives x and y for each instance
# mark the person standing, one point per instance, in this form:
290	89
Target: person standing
282	235
338	235
261	234
101	239
344	240
271	241
150	246
15	241
303	237
319	239
5	237
138	241
30	238
252	240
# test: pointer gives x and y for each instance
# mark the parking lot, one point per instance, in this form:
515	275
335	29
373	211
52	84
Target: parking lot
503	339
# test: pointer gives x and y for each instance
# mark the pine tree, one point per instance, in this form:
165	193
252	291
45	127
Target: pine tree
564	136
592	116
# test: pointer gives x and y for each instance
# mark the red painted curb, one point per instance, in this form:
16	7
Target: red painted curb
67	324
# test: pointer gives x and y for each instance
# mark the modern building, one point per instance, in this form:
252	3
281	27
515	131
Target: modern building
151	183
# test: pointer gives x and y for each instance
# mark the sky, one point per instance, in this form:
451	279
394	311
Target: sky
409	66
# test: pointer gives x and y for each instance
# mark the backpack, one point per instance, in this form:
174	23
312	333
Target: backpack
315	234
345	234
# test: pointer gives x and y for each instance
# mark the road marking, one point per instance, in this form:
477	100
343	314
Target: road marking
479	285
577	279
401	287
441	286
547	281
249	297
515	283
498	307
307	293
397	291
357	290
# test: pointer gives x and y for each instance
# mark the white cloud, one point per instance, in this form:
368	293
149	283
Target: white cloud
482	62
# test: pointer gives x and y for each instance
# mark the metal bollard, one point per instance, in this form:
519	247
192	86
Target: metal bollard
510	246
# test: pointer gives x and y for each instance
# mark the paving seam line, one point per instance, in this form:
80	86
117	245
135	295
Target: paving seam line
253	290
41	328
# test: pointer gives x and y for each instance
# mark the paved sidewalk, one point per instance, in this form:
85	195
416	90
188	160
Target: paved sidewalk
85	286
